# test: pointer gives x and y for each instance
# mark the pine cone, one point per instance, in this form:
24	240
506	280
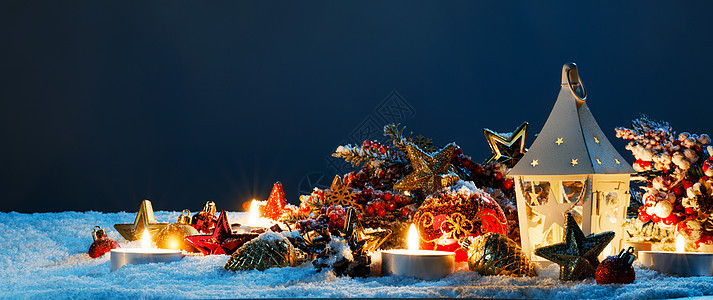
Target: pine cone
496	254
269	250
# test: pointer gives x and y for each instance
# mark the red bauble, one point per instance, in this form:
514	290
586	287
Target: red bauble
616	269
102	246
204	220
455	213
275	206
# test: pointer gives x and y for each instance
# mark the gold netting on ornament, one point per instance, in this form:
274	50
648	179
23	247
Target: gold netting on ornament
456	225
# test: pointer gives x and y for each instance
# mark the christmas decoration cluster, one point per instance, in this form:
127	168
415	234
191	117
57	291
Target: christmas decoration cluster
675	170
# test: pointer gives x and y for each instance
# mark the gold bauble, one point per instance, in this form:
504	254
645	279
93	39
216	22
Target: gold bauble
173	236
496	254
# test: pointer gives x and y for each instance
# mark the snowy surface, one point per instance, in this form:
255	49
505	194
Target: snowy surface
44	255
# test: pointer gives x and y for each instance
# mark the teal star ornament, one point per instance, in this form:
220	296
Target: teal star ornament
578	254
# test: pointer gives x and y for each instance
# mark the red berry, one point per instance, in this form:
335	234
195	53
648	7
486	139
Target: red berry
643	217
670	220
405	211
677	190
381	212
370	210
387	196
676	142
366	144
498	176
507	184
382	150
375	145
478	169
655	218
689	211
390	205
397	198
378	205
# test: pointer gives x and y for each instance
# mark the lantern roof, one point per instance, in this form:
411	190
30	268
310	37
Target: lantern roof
571	142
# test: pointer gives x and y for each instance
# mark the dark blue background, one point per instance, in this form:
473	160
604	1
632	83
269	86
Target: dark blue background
105	103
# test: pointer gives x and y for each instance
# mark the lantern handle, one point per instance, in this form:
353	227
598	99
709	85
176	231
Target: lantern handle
570	78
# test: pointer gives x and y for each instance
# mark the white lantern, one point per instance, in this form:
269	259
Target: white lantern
570	167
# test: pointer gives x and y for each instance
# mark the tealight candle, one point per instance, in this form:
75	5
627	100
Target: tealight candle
423	264
680	263
254	220
144	255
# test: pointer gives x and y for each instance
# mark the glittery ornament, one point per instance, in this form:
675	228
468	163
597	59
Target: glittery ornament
341	194
577	255
450	215
269	250
496	254
144	220
204	221
617	268
173	236
507	148
431	172
275	205
222	241
102	243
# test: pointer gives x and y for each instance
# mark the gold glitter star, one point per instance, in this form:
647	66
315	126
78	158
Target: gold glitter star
574	162
534	162
599	161
507	149
431	172
617	161
559	141
144	220
340	194
596	140
577	254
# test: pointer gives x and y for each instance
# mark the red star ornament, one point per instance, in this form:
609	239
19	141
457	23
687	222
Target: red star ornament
222	241
275	205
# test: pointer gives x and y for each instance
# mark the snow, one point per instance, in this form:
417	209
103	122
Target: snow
44	255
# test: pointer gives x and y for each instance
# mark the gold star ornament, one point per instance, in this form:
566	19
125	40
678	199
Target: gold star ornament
431	172
577	255
144	220
340	194
507	148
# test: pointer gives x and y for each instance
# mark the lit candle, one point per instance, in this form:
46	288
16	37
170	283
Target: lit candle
423	264
254	220
144	255
680	263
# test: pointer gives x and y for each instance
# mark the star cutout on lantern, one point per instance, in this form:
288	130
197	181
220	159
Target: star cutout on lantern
222	241
617	161
340	194
552	211
599	161
596	140
431	172
144	220
559	141
365	240
507	148
535	162
577	254
574	162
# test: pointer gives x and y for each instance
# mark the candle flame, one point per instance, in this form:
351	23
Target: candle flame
146	240
254	215
680	244
413	238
